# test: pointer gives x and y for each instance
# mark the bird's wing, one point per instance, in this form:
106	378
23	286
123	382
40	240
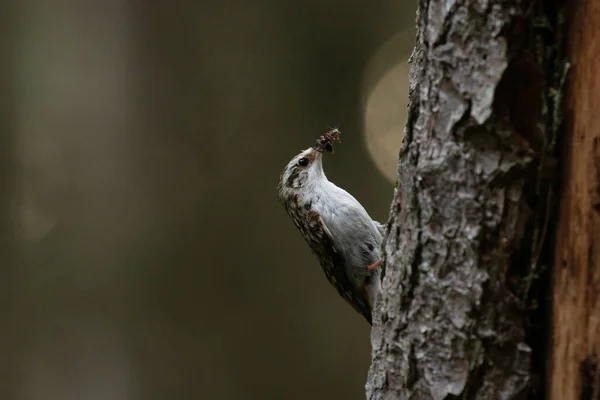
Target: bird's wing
334	266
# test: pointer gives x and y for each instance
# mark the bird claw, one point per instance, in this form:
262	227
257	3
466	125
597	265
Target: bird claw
375	265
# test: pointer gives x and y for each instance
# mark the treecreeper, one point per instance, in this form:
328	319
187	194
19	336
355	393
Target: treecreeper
338	229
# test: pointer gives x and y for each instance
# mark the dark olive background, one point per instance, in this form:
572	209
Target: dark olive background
144	253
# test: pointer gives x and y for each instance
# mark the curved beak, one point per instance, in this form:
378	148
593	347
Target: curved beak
317	164
318	156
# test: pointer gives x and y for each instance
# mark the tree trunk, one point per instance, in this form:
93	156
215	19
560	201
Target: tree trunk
576	317
462	303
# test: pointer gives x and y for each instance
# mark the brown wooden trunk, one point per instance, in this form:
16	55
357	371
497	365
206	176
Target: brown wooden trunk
575	372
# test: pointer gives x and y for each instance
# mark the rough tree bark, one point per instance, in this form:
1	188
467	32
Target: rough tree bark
463	250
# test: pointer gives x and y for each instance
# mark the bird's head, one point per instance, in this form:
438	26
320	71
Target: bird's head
304	170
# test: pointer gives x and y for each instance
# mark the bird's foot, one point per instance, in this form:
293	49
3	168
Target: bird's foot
375	265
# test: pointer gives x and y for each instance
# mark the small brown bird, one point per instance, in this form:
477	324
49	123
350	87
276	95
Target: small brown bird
335	225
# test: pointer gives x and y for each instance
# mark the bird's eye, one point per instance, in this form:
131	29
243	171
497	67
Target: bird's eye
303	162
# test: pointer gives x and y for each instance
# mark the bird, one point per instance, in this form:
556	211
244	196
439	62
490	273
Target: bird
337	228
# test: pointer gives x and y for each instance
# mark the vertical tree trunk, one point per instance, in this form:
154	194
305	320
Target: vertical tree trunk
471	211
576	318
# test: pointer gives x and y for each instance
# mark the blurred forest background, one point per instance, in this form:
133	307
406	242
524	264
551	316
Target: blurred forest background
144	254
